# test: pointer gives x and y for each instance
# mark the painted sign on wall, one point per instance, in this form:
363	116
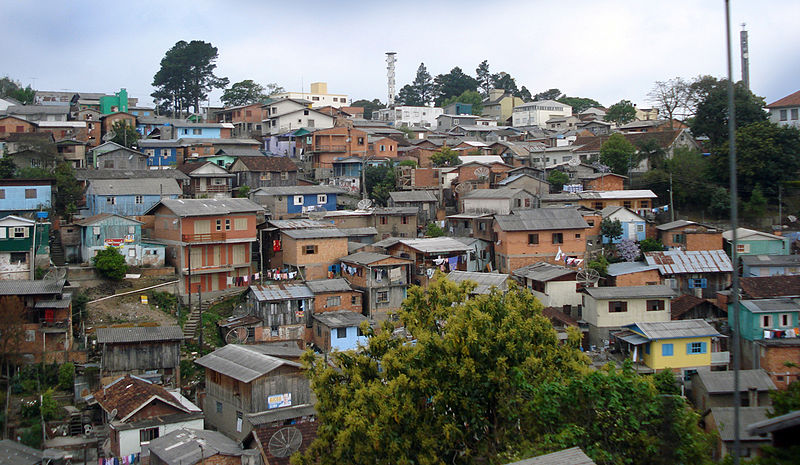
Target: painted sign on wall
279	400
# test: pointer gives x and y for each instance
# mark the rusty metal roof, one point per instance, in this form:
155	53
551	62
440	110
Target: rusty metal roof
696	261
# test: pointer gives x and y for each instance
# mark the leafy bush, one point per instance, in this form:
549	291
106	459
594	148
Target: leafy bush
110	264
432	230
599	264
66	376
651	245
164	300
32	437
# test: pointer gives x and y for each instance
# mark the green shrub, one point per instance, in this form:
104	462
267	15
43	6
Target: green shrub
110	264
32	437
66	376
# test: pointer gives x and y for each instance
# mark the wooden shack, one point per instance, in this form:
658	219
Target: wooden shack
150	352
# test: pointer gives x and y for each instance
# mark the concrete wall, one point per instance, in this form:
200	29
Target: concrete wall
596	313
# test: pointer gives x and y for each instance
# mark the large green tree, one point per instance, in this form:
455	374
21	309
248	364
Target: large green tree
711	117
453	84
469	96
445	157
125	134
766	154
13	89
618	154
408	96
70	192
379	182
486	380
369	106
484	78
622	112
423	85
186	76
503	80
550	94
243	93
579	104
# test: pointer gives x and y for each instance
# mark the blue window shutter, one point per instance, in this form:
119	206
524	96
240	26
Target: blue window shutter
688	347
691	283
703	347
703	283
666	350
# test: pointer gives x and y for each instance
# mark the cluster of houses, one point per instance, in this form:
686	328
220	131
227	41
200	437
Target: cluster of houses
268	200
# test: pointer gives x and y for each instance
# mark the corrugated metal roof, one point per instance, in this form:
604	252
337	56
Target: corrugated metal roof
187	445
413	196
31	287
83	174
750	235
141	186
14	453
674	224
675	329
297	190
724	418
242	363
573	456
770	305
299	223
717	382
368	231
100	217
435	245
139	334
367	258
209	207
340	319
280	349
630	292
484	281
281	414
775	424
771	260
695	261
542	271
622	268
631	337
314	233
272	292
63	302
540	219
329	285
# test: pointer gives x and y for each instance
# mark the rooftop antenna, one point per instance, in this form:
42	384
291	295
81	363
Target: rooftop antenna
745	57
390	60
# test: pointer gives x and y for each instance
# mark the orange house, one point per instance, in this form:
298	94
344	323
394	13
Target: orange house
209	242
14	125
326	145
538	235
603	182
382	147
689	235
313	252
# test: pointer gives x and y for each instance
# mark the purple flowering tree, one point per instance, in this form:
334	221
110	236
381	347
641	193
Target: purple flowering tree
628	250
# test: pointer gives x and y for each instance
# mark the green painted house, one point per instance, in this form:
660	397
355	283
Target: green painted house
17	238
751	242
766	318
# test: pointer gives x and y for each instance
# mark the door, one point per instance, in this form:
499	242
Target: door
217	256
202	227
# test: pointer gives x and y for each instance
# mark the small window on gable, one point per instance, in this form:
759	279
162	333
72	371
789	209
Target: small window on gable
298	200
322	199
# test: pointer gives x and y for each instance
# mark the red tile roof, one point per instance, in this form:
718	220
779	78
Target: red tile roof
683	304
791	100
129	394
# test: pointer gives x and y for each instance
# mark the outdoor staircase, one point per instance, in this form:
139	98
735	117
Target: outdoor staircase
192	325
56	249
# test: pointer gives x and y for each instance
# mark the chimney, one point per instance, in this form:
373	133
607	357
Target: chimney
752	395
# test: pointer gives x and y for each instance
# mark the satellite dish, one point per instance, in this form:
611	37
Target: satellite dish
363	204
236	336
482	172
109	135
463	188
588	276
317	213
791	218
285	442
112	415
573	162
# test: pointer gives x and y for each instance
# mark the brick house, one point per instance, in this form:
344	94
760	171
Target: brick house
13	125
215	236
632	274
603	182
332	295
138	411
313	252
242	383
383	279
246	119
699	272
322	147
396	221
43	324
428	255
688	235
538	235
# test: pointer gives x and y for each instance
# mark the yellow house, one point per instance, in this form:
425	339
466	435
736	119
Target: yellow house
681	345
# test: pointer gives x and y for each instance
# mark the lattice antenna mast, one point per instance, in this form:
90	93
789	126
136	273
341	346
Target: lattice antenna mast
745	57
390	60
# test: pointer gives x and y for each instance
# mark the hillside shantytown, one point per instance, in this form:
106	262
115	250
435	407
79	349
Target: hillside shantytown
462	272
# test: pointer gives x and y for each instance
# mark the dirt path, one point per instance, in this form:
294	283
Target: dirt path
128	308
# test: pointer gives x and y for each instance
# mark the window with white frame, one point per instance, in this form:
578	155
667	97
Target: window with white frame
785	319
19	232
766	321
322	199
111	200
298	200
333	301
139	200
284	175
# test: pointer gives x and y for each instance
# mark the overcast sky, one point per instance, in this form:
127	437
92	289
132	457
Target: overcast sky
608	50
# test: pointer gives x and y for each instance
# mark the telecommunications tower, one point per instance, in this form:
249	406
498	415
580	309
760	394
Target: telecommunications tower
390	59
745	58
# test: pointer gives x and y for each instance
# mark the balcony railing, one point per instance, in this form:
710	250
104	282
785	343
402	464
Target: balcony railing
330	148
204	237
720	358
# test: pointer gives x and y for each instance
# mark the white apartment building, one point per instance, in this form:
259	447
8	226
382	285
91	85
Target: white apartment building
288	114
403	115
786	111
538	113
319	96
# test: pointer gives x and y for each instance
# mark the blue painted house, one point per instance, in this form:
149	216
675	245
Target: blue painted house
770	265
338	330
766	318
25	195
161	152
751	242
633	225
285	202
190	130
110	230
128	197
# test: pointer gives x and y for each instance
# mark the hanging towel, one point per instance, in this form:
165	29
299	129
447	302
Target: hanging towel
229	281
429	272
452	262
559	255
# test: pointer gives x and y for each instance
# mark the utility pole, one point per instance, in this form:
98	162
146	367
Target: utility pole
780	206
189	267
671	203
200	308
